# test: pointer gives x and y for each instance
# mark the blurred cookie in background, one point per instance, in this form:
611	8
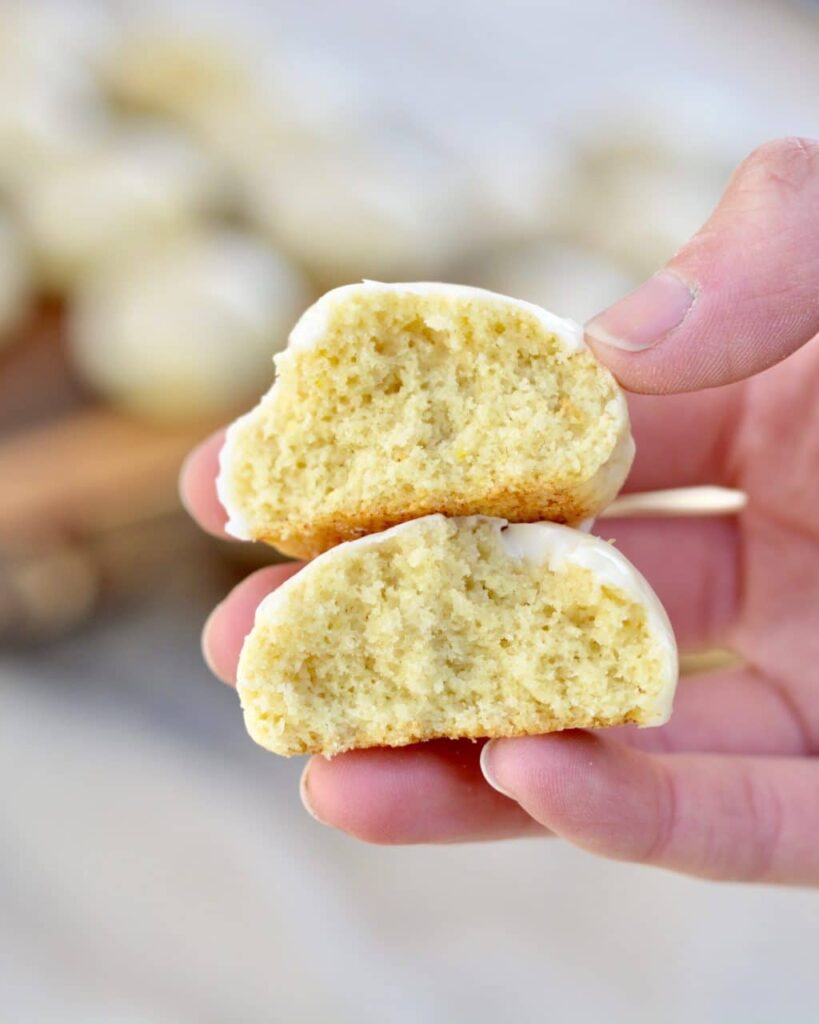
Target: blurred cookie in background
170	71
652	167
573	281
15	280
51	108
523	185
187	330
639	211
242	103
389	205
142	182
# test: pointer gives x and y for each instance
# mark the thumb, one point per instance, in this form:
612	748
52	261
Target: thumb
740	296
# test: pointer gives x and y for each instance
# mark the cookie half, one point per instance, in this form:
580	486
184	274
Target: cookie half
394	401
460	628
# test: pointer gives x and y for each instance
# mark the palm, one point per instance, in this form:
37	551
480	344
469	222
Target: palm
752	583
777	452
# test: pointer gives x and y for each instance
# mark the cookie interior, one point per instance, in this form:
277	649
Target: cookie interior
435	630
409	404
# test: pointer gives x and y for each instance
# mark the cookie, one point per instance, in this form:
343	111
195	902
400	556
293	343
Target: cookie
465	627
395	401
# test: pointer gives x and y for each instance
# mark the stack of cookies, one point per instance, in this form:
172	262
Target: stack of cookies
440	449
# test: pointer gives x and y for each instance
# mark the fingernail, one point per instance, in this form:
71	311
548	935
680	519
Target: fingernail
488	773
204	641
305	796
646	315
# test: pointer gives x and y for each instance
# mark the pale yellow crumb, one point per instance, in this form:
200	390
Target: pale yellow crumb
441	628
416	399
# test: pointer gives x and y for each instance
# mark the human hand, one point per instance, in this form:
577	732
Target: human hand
729	788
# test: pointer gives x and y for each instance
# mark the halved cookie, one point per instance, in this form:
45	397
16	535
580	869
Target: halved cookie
394	401
456	627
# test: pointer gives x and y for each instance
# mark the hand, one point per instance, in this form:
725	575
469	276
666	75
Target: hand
729	789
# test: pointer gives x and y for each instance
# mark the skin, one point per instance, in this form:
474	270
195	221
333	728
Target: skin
725	393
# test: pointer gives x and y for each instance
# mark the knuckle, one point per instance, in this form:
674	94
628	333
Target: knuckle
738	838
761	811
660	843
766	817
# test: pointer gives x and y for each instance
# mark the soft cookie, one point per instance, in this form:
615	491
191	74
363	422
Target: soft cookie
456	627
394	401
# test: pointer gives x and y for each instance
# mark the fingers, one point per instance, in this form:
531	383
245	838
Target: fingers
429	793
434	792
745	819
231	621
693	564
197	486
739	297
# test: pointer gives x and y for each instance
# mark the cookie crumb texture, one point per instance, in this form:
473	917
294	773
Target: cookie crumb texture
434	629
415	399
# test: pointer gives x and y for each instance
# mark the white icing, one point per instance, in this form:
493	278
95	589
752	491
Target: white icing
602	488
553	544
539	544
237	524
313	324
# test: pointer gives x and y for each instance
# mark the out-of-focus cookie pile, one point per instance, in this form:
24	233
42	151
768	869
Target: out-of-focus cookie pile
172	197
134	151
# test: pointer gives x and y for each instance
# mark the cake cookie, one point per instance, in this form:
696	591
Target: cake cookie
395	401
466	627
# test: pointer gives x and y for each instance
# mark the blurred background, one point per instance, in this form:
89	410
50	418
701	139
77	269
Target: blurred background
178	181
